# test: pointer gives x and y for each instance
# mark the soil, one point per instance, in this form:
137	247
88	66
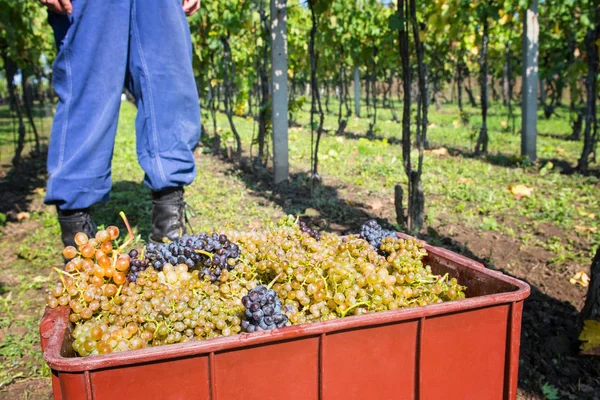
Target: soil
549	344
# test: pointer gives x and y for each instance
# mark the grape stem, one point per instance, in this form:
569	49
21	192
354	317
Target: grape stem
362	303
206	253
270	285
130	238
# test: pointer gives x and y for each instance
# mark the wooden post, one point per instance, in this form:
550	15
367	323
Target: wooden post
530	82
279	89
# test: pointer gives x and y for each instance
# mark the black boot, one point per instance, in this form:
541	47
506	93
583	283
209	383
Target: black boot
168	215
75	221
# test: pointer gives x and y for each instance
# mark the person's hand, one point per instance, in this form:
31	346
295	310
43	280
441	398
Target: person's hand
58	6
190	6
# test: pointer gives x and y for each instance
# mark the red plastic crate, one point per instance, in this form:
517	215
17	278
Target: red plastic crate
467	349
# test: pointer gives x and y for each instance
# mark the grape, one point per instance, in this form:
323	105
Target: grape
81	239
152	312
195	288
69	252
113	232
208	253
372	232
307	229
260	304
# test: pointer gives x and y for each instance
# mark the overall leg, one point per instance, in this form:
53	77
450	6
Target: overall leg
89	74
168	120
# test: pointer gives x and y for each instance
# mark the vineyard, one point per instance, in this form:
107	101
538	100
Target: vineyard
414	113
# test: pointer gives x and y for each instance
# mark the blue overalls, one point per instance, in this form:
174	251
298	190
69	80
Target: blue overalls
105	45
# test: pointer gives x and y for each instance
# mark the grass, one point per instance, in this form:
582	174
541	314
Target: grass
562	216
461	188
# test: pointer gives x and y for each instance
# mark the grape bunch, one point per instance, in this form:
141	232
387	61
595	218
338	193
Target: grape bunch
195	288
373	233
93	275
340	276
308	230
137	265
263	310
210	254
166	307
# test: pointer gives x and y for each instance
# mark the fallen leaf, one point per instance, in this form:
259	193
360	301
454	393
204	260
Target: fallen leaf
311	212
456	123
376	205
504	124
520	191
590	336
22	216
442	151
432	126
464	180
350	203
560	149
580	278
340	139
585	228
379	158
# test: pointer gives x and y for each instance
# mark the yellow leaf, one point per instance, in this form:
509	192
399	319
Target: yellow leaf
598	42
375	205
585	228
503	123
475	50
333	21
580	278
560	150
422	36
464	180
520	191
456	123
590	336
22	215
442	151
311	212
556	29
503	20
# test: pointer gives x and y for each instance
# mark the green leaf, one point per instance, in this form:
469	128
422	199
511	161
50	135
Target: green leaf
550	392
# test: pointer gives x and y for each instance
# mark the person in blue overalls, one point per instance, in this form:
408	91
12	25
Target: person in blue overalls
104	46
